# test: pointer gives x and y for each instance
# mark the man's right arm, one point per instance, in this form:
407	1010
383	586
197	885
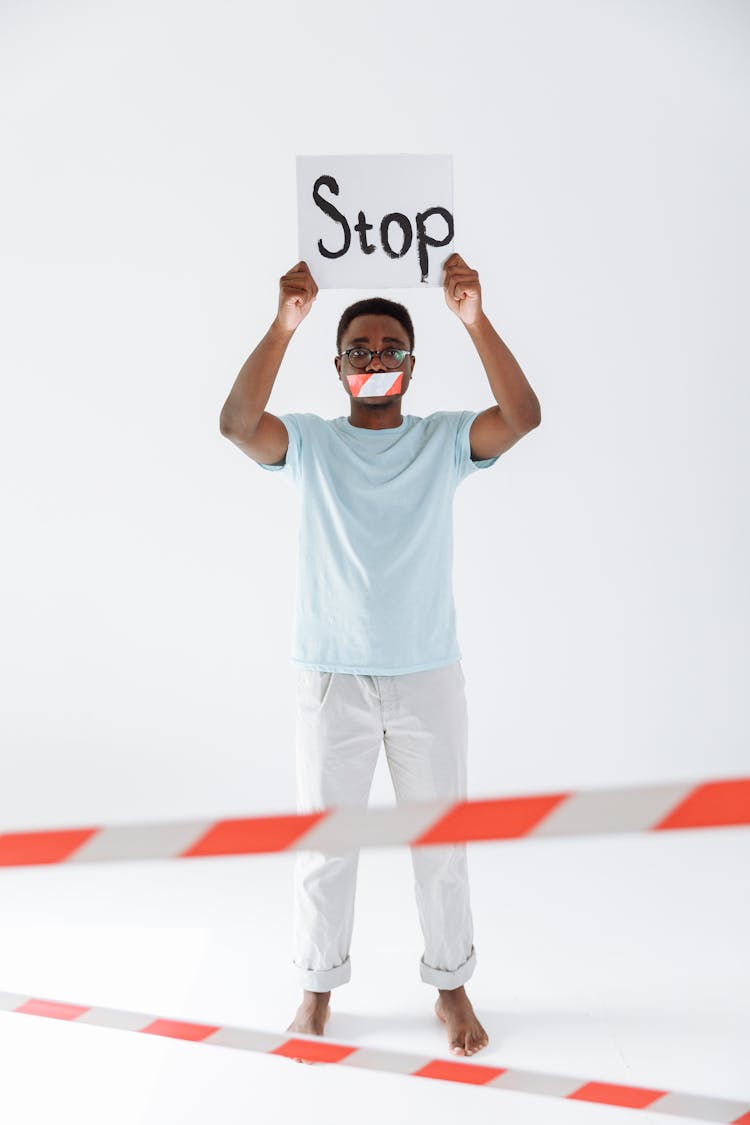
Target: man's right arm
244	419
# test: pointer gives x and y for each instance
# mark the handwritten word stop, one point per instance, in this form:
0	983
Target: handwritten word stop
375	221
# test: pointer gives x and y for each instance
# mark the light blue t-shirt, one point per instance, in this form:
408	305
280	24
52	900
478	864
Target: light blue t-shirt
374	579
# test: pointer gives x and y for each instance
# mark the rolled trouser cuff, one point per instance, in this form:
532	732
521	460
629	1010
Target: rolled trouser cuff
323	980
446	978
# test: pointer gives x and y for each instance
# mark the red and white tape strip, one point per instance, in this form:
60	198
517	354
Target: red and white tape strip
319	1049
643	808
375	384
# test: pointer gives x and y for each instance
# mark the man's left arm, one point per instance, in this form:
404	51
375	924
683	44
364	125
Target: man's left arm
518	410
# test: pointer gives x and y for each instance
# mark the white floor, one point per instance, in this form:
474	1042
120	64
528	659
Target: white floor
616	958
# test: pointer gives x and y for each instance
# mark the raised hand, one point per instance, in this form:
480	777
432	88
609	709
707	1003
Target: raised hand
463	293
297	291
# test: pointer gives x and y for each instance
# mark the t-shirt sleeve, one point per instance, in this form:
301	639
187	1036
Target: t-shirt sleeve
291	465
464	464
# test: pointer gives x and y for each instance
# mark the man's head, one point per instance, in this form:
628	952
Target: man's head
375	323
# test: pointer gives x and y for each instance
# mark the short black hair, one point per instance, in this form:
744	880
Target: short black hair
379	306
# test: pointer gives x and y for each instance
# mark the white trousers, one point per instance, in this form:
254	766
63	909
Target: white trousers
343	719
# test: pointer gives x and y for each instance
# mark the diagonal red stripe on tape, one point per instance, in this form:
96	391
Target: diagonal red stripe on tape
309	1049
177	1029
18	848
52	1008
498	819
636	1097
316	1050
715	803
458	1072
253	834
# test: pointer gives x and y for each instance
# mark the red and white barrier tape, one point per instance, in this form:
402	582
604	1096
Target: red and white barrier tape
319	1049
643	808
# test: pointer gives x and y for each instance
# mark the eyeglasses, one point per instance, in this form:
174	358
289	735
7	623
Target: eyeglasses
391	358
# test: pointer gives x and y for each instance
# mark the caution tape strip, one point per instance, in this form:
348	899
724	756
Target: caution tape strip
318	1049
642	808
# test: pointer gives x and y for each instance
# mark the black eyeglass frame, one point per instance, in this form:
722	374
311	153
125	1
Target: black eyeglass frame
390	348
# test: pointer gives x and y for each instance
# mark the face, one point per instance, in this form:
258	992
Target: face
374	332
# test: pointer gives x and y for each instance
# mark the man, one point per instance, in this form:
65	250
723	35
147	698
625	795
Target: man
375	641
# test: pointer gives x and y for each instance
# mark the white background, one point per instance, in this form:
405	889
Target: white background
148	205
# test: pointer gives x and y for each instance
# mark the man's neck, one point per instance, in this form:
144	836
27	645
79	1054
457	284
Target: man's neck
376	415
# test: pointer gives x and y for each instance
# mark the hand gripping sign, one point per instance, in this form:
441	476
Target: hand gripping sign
375	221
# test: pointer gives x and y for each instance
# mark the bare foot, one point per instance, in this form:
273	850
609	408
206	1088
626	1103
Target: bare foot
312	1016
466	1035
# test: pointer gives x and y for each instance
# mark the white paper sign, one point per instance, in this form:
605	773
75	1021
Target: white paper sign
375	221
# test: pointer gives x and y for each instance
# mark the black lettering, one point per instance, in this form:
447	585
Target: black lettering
328	209
424	240
403	222
362	228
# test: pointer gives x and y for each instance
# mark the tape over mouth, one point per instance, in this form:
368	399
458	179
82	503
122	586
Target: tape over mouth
369	384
